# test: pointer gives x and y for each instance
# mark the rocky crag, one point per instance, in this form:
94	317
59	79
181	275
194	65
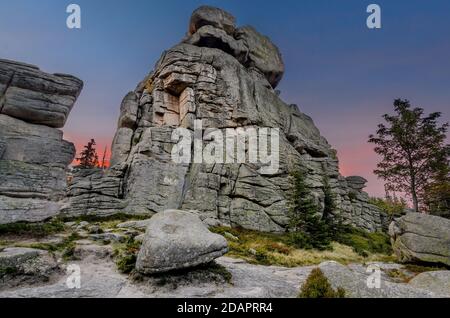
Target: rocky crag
418	237
225	76
33	154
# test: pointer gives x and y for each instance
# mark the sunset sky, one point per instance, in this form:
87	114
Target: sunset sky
339	72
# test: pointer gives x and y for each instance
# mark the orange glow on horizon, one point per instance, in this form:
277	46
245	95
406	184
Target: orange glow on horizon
99	147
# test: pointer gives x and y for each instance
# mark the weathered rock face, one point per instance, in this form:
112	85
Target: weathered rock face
224	76
355	284
33	154
177	240
25	265
421	237
215	17
36	97
437	282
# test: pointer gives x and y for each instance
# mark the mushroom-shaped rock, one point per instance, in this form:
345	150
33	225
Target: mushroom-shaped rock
207	15
356	182
176	240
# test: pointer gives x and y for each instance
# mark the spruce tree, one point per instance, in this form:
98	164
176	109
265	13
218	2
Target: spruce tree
89	157
308	229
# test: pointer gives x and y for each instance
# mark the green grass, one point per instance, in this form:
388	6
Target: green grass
66	247
125	255
56	225
120	216
365	243
219	270
279	249
4	271
32	229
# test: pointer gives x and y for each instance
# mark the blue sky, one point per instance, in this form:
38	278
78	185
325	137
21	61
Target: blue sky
342	74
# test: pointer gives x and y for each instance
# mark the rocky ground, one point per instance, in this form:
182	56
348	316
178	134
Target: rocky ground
41	273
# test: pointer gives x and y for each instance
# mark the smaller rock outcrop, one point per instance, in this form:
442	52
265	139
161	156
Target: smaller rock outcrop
421	237
437	282
25	266
215	28
176	240
206	15
356	183
36	97
33	154
356	285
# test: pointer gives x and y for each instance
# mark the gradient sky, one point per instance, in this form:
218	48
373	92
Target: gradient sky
342	74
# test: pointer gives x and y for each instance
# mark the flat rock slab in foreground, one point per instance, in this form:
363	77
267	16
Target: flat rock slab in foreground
355	284
20	266
100	279
176	240
438	282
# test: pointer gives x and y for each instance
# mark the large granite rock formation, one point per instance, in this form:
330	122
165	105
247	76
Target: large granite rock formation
33	154
418	237
225	76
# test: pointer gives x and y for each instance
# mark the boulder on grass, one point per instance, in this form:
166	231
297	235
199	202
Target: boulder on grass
177	240
418	237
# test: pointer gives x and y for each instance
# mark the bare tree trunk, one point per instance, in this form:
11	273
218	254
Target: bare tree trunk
103	160
415	201
413	185
414	195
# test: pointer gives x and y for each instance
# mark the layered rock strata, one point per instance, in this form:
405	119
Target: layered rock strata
225	76
33	154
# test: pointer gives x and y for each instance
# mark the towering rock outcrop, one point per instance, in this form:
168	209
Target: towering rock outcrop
225	76
33	154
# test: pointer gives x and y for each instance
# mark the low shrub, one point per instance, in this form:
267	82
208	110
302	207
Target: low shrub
7	271
365	243
66	247
318	286
300	240
211	272
126	255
